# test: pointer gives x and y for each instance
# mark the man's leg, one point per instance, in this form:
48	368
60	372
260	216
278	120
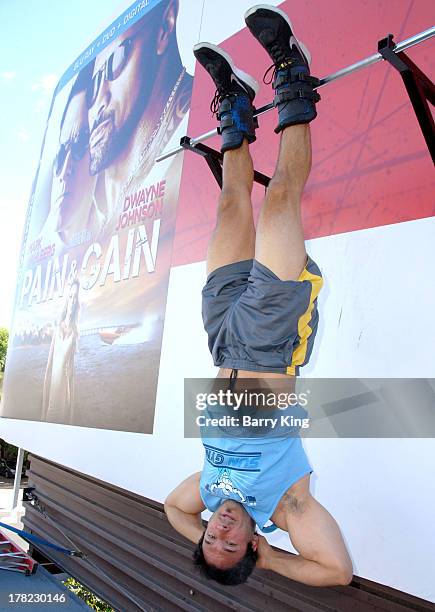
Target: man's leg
280	241
234	236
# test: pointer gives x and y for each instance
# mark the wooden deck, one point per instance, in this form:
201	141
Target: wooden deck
128	538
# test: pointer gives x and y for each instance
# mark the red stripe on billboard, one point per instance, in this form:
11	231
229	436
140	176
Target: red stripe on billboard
371	166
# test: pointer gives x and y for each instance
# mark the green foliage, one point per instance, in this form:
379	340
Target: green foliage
4	337
9	452
89	598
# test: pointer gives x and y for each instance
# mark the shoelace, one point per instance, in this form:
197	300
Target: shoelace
214	104
281	61
275	67
286	61
217	99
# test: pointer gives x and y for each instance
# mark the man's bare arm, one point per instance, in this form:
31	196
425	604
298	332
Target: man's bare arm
183	507
296	567
323	559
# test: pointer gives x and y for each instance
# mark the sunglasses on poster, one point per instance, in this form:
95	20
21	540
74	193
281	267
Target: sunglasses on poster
78	148
111	69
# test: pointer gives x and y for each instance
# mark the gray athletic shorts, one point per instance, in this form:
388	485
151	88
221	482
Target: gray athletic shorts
257	322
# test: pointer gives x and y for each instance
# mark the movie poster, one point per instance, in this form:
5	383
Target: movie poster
91	293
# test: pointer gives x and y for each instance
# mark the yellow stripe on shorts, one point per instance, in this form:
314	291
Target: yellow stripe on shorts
304	330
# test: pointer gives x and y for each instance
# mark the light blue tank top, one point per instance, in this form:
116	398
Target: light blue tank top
255	472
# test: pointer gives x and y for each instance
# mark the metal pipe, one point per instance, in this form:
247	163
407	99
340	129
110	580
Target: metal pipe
376	57
372	59
17	479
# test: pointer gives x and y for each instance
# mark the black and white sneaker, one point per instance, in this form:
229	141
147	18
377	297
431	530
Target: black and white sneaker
226	76
295	95
274	31
235	93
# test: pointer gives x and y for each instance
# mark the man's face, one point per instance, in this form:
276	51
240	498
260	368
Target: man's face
123	76
228	533
72	184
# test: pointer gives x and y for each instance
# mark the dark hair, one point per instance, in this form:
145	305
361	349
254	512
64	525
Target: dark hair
80	85
237	574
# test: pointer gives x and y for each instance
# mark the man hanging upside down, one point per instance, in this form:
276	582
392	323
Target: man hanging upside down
260	313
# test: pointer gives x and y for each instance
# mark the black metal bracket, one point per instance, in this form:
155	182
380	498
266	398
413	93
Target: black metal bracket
215	160
28	494
419	87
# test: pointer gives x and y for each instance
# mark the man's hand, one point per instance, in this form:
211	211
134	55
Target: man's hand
265	553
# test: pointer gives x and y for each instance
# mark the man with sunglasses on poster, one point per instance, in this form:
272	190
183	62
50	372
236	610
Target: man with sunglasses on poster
138	95
73	218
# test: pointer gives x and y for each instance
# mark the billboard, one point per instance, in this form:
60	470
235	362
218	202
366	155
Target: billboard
91	295
365	134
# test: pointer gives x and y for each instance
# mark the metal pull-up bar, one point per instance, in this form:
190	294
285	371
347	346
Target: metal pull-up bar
376	57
